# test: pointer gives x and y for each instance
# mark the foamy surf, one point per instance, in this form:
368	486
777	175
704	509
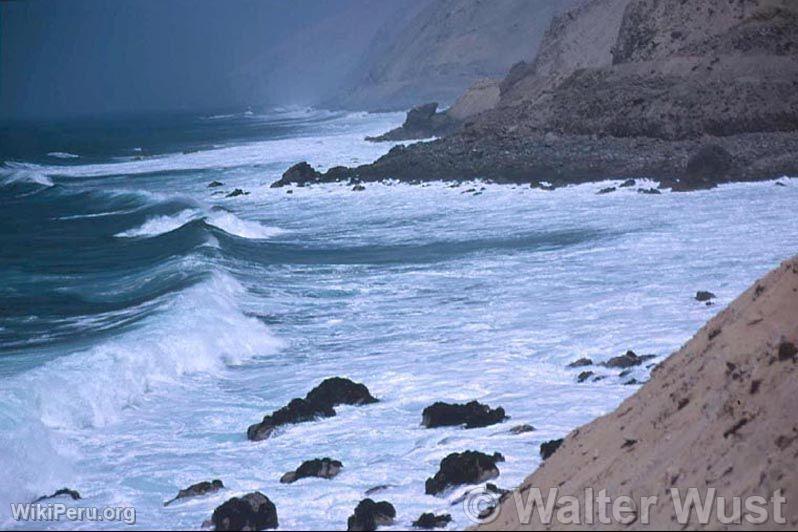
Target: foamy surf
227	222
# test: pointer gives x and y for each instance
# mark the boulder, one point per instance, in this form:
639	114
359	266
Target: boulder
300	173
237	192
628	360
582	362
318	403
549	448
706	167
428	521
584	376
253	511
63	492
319	468
197	490
703	296
606	190
471	415
369	515
215	184
521	429
469	467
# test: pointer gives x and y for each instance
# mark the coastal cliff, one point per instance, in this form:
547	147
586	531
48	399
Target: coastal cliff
719	413
693	94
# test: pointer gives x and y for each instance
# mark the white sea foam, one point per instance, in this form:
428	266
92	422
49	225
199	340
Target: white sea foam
22	174
232	224
226	221
62	155
159	225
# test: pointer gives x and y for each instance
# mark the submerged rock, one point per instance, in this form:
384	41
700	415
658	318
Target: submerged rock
237	192
63	492
628	360
473	414
549	448
606	190
253	511
214	184
197	490
428	521
582	362
469	467
584	376
369	515
318	403
521	429
319	468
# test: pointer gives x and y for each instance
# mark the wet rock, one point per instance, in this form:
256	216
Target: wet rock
319	468
197	490
237	192
584	376
63	492
582	362
318	403
607	190
703	296
215	184
706	167
472	415
521	429
358	188
628	183
428	521
253	511
377	489
340	391
628	360
787	351
300	173
297	411
649	191
469	467
369	515
421	122
549	448
632	382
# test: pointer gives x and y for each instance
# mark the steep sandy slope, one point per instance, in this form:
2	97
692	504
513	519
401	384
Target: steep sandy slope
447	46
721	412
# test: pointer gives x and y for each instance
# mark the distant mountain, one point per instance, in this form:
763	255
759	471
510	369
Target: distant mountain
438	52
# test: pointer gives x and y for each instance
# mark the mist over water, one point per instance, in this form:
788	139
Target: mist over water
148	319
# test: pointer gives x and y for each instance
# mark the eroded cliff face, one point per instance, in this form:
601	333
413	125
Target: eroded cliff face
447	46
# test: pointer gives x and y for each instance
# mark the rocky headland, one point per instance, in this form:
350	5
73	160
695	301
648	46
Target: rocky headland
692	94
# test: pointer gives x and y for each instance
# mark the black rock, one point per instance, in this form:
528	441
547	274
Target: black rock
630	359
358	188
628	183
319	468
649	191
197	490
253	511
300	173
318	403
369	515
377	489
584	376
339	391
63	492
582	362
703	296
521	429
428	521
472	415
214	184
710	164
237	192
632	382
787	351
549	448
469	467
606	190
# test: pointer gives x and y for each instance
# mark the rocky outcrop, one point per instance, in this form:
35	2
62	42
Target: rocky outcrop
549	448
63	492
197	490
318	403
627	360
429	521
471	415
253	511
319	468
690	94
422	122
718	413
370	515
469	467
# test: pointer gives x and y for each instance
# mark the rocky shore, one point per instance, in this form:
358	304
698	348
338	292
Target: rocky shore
690	94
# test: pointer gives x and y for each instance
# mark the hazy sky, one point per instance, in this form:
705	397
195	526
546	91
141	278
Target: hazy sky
65	57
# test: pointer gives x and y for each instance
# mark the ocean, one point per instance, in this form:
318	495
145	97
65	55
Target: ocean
147	319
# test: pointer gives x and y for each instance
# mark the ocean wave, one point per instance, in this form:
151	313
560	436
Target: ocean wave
20	174
201	330
225	221
62	155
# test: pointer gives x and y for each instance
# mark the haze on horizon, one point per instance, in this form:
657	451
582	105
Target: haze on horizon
92	57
